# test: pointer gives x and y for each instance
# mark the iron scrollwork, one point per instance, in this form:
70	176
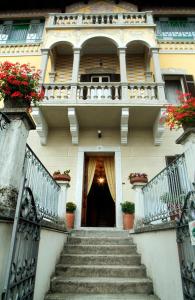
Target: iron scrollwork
186	250
4	121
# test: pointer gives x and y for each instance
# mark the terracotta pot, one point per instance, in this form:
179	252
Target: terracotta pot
138	179
128	221
187	125
69	220
62	177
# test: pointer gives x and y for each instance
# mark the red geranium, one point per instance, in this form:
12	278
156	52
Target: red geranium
176	115
20	81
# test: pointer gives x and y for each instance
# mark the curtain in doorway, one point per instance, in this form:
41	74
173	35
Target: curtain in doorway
90	173
110	175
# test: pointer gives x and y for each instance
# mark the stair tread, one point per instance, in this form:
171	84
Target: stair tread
58	296
101	255
101	266
115	280
102	246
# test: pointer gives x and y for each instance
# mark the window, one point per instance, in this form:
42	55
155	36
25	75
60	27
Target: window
21	32
175	28
182	83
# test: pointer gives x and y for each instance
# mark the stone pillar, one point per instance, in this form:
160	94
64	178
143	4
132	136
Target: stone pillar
139	202
52	76
12	155
187	139
75	72
62	199
123	72
44	61
158	75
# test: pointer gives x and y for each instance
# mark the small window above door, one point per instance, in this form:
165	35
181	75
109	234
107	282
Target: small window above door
100	78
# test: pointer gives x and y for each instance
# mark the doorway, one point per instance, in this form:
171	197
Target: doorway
98	204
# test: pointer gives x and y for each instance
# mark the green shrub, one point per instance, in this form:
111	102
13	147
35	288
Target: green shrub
128	207
70	207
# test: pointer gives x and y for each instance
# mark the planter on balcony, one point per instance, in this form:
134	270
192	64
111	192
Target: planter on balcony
186	125
138	178
19	103
61	177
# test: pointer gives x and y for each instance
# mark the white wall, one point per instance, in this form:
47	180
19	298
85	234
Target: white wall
160	256
50	248
5	239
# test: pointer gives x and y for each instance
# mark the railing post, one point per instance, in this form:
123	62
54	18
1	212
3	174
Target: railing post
139	202
149	18
123	72
62	199
44	61
187	139
12	154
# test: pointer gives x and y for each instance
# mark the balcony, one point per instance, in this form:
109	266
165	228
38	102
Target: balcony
99	20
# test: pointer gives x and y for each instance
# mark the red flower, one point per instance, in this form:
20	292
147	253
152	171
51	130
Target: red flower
16	94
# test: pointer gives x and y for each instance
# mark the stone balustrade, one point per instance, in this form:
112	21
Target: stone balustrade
105	19
108	91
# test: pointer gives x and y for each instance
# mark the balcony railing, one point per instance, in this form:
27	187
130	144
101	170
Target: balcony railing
4	123
164	195
136	18
104	92
21	33
175	30
44	188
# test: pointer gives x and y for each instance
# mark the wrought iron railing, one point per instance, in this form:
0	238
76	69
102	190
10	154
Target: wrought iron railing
175	29
44	188
21	33
4	123
105	19
164	195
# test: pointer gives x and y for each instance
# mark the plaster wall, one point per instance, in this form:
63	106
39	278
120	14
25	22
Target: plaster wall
140	155
50	248
160	256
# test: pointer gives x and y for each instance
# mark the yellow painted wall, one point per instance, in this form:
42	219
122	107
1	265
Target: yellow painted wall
180	61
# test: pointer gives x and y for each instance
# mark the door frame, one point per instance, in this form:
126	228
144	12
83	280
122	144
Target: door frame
79	181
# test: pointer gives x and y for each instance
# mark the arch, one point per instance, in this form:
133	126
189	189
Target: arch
102	35
56	43
140	41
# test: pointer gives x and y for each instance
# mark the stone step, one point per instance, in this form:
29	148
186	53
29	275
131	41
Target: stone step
101	285
100	241
96	232
100	249
98	259
58	296
99	271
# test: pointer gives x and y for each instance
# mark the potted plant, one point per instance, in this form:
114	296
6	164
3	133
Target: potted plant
128	209
138	178
181	115
57	175
19	84
70	209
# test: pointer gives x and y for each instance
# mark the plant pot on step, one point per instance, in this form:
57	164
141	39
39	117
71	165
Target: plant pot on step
128	221
70	209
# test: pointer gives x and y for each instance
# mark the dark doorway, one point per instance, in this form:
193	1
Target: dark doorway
100	207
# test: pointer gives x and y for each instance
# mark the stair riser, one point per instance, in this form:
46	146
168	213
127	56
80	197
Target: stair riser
100	241
103	287
106	272
100	233
96	260
100	250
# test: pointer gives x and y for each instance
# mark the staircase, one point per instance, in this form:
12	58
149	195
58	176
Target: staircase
100	264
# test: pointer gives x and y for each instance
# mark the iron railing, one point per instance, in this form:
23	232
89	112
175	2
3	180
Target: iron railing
4	123
175	29
21	33
44	188
164	195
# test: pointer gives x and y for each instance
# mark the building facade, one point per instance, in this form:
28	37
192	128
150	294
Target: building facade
109	68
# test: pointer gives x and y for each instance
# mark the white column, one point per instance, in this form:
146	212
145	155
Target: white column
139	202
75	72
157	74
76	64
123	71
44	61
12	155
62	199
187	139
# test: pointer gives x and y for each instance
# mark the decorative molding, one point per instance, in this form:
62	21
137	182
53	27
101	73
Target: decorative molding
41	125
159	127
176	46
173	71
74	126
124	125
20	49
